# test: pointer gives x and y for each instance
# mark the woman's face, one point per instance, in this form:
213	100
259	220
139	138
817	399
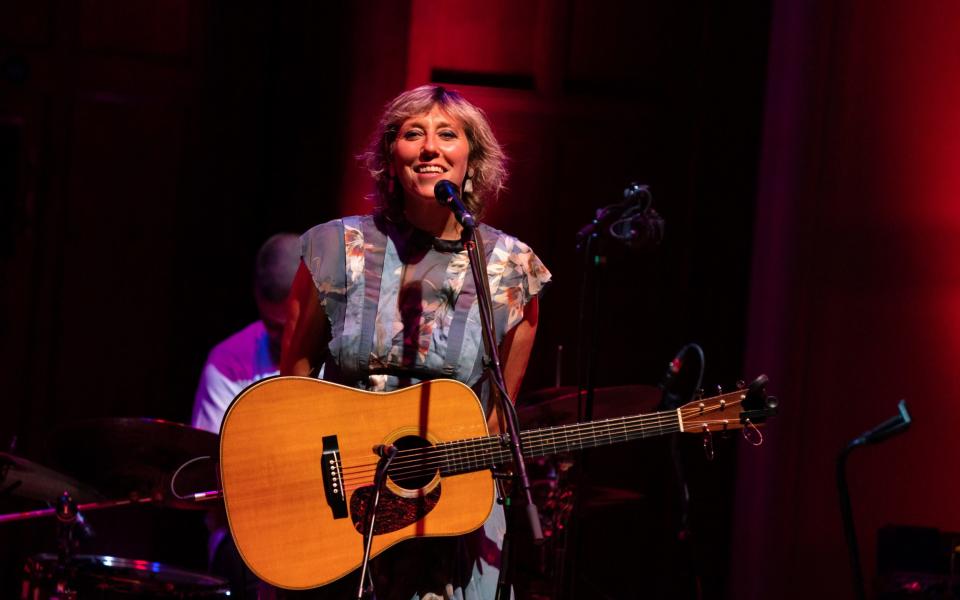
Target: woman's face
429	147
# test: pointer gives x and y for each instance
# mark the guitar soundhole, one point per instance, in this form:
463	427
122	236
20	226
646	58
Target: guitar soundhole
412	470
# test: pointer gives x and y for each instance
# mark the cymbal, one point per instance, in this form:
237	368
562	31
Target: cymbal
27	479
559	405
604	496
138	457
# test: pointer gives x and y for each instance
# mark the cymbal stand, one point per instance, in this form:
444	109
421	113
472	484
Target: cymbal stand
365	589
68	520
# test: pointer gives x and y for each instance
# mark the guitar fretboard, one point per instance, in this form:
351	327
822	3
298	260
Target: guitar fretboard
464	456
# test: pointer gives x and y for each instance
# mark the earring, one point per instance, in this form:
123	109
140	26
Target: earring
468	182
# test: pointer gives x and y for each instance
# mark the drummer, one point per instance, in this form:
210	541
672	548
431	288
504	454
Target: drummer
248	355
252	353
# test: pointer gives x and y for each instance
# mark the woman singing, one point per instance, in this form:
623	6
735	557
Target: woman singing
387	300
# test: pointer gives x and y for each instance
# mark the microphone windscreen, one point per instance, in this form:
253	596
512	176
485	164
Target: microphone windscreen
444	191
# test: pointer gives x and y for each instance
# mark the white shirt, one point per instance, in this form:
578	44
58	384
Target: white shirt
232	365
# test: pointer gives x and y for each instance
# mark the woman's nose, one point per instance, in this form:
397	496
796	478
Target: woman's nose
429	145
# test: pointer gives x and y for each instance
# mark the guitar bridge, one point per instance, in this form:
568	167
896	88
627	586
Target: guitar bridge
332	470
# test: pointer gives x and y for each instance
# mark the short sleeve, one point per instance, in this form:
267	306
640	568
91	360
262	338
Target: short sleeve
214	395
532	274
516	275
322	252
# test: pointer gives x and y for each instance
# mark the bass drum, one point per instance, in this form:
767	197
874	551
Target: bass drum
92	577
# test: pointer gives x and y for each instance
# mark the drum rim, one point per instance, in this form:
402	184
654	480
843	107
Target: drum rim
107	561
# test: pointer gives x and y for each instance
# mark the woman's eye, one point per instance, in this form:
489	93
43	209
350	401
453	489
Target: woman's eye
448	135
412	134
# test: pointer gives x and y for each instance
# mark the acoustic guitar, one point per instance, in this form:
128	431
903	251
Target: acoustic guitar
297	464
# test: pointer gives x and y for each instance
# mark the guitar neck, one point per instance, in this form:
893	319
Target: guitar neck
464	456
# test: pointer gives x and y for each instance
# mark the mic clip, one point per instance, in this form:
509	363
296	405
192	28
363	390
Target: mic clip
385	450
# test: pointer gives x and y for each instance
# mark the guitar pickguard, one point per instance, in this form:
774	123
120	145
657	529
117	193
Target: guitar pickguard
393	512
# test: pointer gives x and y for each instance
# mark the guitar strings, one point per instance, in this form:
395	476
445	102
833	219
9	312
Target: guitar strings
476	452
482	453
493	453
482	457
485	452
534	439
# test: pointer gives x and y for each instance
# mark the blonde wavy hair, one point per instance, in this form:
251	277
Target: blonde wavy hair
486	165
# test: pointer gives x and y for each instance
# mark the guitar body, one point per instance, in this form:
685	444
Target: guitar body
290	445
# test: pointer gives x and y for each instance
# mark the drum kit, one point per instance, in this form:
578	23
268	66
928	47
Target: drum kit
102	464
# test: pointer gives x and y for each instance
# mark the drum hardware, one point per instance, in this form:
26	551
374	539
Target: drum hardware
139	461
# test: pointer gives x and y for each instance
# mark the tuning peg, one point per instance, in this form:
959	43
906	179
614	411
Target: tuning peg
758	384
719	390
708	443
741	384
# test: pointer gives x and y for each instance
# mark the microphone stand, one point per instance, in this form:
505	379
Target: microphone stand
636	224
370	516
505	405
588	240
891	426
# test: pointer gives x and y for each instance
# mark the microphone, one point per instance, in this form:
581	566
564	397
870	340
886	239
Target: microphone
639	194
447	194
673	394
639	226
632	221
892	426
385	450
673	369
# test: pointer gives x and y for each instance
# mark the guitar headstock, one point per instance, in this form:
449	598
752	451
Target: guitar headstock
744	408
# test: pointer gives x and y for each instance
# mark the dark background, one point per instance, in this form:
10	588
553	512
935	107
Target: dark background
802	154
